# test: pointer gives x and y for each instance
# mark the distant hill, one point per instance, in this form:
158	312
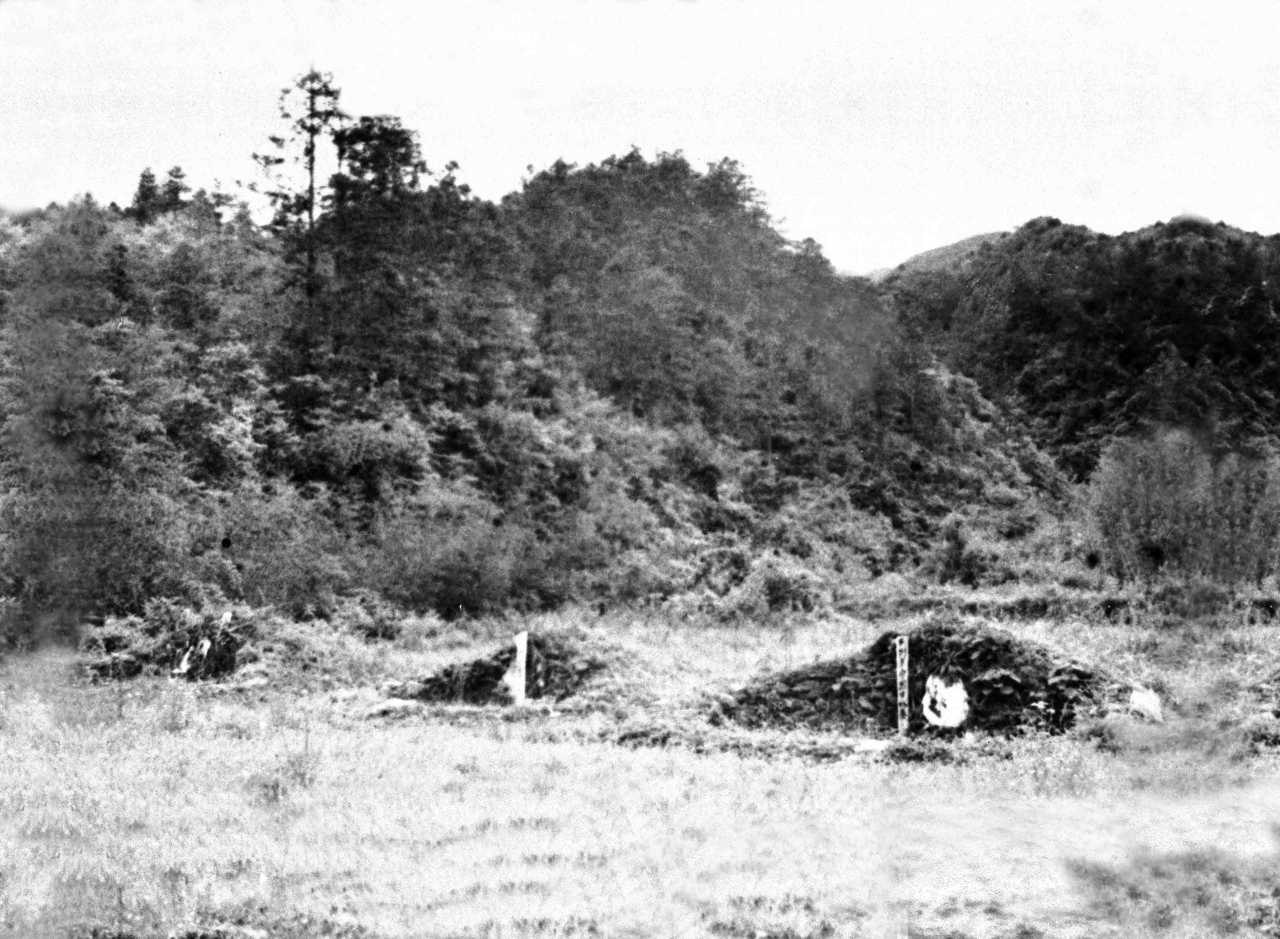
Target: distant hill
1095	336
943	258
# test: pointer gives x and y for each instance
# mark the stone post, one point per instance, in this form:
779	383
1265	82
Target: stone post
517	678
904	701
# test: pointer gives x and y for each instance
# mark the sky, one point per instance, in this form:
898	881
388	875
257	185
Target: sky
878	129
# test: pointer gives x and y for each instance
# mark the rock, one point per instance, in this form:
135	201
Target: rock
1146	704
393	708
516	677
945	704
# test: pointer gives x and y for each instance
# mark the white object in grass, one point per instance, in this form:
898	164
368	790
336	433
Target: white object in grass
1146	703
516	677
945	705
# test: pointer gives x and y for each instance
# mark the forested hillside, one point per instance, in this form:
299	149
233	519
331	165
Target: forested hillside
1097	337
620	384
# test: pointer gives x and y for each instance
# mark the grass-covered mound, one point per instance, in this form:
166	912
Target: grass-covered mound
167	640
1011	684
557	666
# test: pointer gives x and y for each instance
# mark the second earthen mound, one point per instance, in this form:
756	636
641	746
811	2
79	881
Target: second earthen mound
556	668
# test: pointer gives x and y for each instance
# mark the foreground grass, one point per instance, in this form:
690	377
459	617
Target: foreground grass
152	805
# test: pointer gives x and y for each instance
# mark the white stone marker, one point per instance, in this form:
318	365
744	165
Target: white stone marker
517	676
904	702
945	705
1146	703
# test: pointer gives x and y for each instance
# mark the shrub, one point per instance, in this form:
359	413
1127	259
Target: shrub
104	550
369	616
282	552
777	585
454	565
368	460
1166	504
957	559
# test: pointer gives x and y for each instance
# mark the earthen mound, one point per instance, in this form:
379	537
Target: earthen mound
556	667
167	640
1011	684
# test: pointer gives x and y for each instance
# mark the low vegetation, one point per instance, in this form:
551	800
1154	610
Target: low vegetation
149	805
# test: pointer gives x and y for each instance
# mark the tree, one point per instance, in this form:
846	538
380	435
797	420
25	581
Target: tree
175	188
314	99
146	200
92	482
1167	504
377	158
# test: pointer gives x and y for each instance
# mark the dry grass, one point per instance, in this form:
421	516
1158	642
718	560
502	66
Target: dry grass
154	804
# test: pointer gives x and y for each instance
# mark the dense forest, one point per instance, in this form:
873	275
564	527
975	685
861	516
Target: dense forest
1097	337
620	384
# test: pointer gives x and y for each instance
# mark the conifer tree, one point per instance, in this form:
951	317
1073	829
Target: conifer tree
146	200
311	105
175	188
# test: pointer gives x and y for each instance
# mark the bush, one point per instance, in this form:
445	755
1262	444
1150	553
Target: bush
369	616
777	585
278	549
102	550
454	565
956	559
1166	504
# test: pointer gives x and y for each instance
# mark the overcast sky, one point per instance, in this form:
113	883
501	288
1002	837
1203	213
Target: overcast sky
879	129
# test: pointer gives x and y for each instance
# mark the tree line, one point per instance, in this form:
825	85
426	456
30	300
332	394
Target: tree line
606	385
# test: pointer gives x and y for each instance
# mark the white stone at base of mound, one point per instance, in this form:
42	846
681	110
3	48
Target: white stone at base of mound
945	705
1146	703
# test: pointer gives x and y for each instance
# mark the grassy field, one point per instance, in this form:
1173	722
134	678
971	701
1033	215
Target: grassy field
153	805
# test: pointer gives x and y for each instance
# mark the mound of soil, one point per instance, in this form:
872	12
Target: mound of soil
1011	684
556	668
168	640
